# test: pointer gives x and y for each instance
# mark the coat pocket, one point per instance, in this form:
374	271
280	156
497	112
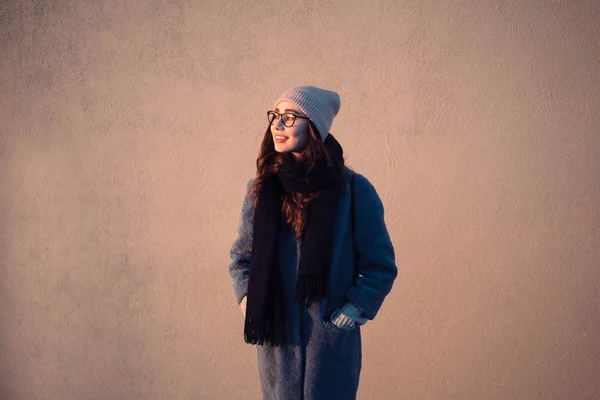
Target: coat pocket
330	326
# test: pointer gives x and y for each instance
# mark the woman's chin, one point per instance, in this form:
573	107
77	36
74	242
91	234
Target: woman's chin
281	148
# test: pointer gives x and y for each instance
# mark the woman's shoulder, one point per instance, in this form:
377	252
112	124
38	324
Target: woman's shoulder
361	182
248	201
362	186
249	184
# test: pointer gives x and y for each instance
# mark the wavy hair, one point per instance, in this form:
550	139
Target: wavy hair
269	161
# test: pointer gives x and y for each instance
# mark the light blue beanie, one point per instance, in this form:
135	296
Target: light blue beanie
320	105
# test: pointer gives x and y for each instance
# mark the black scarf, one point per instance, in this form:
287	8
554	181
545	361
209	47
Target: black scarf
265	319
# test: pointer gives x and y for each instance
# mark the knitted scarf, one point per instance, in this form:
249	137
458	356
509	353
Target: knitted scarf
265	317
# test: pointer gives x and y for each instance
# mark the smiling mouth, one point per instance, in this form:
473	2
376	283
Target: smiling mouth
279	137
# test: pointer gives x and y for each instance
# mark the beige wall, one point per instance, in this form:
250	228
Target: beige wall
128	132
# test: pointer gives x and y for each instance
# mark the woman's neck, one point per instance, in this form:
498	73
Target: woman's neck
298	157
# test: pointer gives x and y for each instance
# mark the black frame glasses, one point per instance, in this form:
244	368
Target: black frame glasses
274	116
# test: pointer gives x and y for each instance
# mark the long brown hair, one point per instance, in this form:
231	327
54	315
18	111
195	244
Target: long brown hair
269	161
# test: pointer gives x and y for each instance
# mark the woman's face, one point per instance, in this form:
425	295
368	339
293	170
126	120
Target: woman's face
293	139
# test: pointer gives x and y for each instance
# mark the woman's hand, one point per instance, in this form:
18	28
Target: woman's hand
243	305
343	322
348	317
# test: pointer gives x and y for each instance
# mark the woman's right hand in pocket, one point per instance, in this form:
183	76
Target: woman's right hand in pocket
243	305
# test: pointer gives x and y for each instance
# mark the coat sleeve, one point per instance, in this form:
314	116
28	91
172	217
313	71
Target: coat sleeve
376	265
241	249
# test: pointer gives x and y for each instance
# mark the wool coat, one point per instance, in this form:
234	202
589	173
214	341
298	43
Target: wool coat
323	361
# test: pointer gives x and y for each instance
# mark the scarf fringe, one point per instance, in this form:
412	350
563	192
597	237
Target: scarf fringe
313	286
259	333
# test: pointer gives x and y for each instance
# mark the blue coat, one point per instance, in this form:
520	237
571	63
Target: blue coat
323	361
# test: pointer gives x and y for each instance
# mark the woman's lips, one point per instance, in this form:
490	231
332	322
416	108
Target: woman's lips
280	138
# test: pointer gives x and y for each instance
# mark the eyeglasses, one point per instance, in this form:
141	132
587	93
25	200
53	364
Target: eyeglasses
288	118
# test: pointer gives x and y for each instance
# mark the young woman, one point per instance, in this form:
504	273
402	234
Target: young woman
313	260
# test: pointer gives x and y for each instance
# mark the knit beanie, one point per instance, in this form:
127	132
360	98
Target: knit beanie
320	105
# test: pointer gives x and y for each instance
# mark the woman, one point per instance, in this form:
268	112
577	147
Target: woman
313	260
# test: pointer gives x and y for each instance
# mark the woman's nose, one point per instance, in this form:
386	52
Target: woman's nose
279	121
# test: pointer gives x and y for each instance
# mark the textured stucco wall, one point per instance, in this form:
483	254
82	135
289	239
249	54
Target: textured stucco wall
129	129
